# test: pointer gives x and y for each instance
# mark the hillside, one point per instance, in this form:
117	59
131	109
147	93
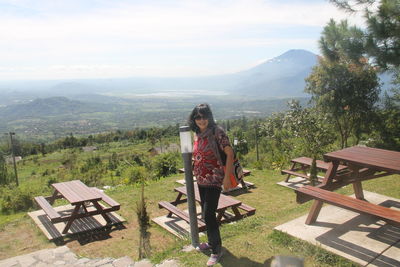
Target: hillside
48	118
53	106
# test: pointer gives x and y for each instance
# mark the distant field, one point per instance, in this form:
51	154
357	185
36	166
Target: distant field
49	119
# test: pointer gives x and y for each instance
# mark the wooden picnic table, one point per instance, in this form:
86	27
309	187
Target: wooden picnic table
364	163
302	165
225	204
80	197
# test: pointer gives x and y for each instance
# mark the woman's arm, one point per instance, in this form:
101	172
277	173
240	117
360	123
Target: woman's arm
229	167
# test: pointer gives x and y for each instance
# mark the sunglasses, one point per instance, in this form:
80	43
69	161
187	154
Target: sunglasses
200	117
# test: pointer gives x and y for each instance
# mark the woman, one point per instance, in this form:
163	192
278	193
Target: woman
209	141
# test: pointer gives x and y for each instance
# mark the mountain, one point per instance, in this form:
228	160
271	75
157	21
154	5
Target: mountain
53	106
282	76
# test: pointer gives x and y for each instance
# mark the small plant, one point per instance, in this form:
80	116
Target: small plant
144	223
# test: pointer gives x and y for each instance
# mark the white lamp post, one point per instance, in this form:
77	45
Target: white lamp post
186	150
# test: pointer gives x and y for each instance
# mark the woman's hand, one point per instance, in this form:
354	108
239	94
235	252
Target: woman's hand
227	183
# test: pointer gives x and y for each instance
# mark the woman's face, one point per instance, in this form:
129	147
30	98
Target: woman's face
201	122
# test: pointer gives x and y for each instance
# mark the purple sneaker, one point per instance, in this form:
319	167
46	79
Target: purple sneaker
203	247
214	258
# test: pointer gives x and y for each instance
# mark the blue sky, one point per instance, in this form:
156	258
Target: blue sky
72	39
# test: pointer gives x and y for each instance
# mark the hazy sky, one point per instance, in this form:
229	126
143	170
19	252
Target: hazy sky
56	39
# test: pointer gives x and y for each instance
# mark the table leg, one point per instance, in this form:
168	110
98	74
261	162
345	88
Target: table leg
314	211
177	200
358	190
237	212
330	173
53	197
357	186
219	215
288	176
99	208
72	218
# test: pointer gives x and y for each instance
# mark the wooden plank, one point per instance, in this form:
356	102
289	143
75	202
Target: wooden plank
47	208
249	210
390	215
320	164
76	192
224	201
180	213
379	159
246	172
107	199
295	173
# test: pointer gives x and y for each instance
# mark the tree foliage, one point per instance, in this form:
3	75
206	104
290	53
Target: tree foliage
312	127
345	91
341	42
383	28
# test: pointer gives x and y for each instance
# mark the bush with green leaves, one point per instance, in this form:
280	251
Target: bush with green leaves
4	175
14	199
166	164
136	174
91	163
113	161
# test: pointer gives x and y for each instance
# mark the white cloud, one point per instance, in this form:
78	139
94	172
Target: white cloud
110	34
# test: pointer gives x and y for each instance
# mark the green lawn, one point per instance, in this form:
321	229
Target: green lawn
248	242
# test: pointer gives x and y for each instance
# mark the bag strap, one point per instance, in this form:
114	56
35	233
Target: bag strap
221	153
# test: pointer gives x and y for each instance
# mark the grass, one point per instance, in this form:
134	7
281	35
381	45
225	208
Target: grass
249	242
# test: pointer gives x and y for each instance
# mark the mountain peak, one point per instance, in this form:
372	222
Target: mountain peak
294	55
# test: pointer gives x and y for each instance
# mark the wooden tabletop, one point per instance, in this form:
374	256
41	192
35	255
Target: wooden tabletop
374	158
76	192
224	201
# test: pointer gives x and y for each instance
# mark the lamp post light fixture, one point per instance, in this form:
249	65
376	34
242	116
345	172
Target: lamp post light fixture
187	150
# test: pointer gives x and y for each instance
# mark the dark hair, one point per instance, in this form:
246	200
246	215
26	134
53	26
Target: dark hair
203	110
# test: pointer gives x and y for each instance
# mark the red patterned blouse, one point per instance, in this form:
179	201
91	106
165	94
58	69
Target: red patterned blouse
207	168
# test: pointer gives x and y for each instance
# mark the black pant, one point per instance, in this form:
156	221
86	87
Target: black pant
209	202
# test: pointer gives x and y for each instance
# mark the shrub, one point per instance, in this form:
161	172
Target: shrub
166	164
14	199
113	161
136	174
50	181
91	163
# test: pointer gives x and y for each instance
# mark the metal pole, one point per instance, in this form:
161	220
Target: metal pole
13	156
186	149
258	158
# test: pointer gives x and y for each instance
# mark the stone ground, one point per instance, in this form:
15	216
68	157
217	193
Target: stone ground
63	256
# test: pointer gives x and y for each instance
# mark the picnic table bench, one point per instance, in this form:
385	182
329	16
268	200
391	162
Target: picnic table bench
238	208
303	164
363	163
80	197
389	215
